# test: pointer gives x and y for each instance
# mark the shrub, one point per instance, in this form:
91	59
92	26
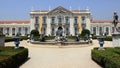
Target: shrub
84	32
94	37
35	32
108	58
108	38
71	37
24	37
12	58
9	39
49	37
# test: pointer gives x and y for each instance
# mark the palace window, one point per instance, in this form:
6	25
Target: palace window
83	20
59	20
94	30
67	31
26	30
67	19
100	31
107	30
7	31
36	20
19	30
75	20
44	31
13	31
53	20
44	20
76	30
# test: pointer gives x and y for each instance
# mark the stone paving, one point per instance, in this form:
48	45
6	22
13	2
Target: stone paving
72	56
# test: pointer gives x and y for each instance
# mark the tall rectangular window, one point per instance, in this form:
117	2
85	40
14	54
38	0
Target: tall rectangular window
107	30
100	31
36	20
26	30
83	19
76	30
44	19
53	20
75	20
67	19
67	31
94	30
8	31
59	20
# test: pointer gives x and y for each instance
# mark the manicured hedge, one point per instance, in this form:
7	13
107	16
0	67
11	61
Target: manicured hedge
107	38
9	39
108	58
11	57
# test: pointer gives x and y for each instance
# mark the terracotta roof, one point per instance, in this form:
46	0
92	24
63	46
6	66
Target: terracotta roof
14	21
102	21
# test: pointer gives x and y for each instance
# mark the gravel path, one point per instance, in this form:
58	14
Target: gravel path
73	56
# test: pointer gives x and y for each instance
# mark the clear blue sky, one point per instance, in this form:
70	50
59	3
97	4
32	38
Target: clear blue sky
19	9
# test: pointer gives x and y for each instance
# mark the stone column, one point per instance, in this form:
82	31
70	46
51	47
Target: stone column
11	31
72	29
48	31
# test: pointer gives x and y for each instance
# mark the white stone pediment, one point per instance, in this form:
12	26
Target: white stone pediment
59	10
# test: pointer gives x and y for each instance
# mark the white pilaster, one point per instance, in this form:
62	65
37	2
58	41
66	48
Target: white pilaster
48	31
11	31
72	29
32	21
88	23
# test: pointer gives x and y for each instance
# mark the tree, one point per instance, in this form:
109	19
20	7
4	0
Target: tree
34	32
84	32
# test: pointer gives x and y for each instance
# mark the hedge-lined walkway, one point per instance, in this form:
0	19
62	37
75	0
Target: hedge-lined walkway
44	56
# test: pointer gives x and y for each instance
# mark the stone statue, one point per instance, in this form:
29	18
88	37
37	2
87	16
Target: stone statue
115	21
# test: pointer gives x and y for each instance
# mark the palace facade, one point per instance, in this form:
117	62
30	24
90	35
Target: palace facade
71	21
47	22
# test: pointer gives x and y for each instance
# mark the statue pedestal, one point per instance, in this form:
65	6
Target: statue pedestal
116	39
